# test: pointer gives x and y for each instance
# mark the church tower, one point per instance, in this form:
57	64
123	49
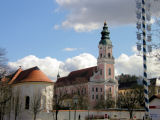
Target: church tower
105	62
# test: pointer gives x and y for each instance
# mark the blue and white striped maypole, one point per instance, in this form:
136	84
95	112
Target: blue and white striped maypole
145	80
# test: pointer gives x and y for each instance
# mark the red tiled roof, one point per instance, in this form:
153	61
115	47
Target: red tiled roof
76	77
30	75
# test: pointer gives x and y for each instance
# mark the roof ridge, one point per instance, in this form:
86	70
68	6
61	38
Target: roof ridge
34	68
33	74
15	76
77	76
84	69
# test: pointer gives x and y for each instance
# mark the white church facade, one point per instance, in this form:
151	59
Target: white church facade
32	91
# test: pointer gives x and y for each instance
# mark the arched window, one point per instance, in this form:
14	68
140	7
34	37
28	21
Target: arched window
96	89
101	55
109	71
27	103
97	96
109	55
93	89
101	89
100	71
110	90
92	96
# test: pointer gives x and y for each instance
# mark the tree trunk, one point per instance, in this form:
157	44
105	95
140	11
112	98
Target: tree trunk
56	114
15	118
131	114
35	115
0	115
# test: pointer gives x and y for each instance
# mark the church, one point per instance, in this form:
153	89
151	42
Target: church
31	90
95	83
85	87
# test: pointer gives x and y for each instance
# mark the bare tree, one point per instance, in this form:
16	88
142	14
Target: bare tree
5	97
82	98
100	104
36	105
103	104
110	102
17	103
128	100
57	103
5	89
3	61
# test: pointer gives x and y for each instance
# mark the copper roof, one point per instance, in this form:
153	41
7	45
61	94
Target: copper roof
30	75
76	77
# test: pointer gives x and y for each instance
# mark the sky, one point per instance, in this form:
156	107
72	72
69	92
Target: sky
63	35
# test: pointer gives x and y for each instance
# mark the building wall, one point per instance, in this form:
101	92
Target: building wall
33	89
64	115
155	109
96	93
72	90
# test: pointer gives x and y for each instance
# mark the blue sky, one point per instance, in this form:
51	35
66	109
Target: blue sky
27	27
36	32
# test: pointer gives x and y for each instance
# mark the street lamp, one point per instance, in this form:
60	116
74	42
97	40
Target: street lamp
75	100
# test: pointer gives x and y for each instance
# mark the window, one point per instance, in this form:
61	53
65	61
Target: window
96	89
92	89
101	97
101	55
110	89
97	97
84	90
92	96
109	71
27	103
78	92
109	55
100	71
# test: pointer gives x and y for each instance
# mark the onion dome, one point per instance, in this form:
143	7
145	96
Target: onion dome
105	39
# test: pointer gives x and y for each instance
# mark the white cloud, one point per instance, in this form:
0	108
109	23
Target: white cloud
81	61
134	65
70	49
48	65
51	66
86	15
123	64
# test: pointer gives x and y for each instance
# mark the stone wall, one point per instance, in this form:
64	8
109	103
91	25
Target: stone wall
64	115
